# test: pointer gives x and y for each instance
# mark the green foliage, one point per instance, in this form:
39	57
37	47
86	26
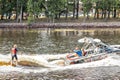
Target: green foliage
30	6
53	8
30	10
87	5
30	19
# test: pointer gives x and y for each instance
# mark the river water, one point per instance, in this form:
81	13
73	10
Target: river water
44	44
51	41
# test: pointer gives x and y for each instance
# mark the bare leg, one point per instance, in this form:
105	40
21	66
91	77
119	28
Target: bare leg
16	62
11	62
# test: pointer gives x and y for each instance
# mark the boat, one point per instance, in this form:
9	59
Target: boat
89	45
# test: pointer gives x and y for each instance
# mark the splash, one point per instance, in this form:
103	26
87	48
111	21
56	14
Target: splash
44	63
111	60
34	60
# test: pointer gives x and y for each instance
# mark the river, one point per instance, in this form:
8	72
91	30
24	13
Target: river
43	44
51	41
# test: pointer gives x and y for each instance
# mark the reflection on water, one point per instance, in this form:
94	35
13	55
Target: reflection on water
51	41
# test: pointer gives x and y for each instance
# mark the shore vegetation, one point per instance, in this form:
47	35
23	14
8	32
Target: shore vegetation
53	11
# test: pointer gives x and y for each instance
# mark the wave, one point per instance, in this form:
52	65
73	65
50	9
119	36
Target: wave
52	62
111	60
32	60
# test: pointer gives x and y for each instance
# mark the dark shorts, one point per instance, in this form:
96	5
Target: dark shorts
14	56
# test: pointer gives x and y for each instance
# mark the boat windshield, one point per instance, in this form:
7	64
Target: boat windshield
89	44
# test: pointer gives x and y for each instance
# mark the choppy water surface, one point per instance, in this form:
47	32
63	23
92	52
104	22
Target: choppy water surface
51	41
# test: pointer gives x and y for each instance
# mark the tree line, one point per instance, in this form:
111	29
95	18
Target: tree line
54	9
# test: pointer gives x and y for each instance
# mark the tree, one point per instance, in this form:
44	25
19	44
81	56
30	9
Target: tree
2	8
87	6
20	8
30	10
54	7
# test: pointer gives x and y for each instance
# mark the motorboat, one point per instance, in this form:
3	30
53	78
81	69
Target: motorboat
89	46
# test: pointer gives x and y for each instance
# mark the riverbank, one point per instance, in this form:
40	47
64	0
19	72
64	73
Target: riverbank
62	25
96	73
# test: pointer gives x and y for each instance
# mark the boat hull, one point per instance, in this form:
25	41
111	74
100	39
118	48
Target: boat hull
84	59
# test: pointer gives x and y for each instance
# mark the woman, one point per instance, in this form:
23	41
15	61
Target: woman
14	54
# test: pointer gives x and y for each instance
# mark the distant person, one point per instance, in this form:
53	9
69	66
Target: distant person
14	54
97	49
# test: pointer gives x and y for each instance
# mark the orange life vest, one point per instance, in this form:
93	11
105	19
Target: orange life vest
14	50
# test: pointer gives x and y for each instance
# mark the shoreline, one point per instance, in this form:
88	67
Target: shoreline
62	25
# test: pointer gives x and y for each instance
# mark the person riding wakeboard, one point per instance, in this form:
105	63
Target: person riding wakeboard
14	54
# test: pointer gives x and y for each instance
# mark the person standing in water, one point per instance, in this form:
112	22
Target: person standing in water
14	54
